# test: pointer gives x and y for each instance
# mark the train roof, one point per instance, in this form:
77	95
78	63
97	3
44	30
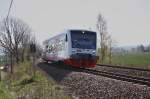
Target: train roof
68	30
80	30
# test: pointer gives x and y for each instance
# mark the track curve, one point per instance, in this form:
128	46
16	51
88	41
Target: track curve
138	80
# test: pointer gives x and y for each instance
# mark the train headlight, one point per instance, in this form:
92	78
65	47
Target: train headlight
93	51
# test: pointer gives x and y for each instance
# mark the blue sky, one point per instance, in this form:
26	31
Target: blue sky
128	20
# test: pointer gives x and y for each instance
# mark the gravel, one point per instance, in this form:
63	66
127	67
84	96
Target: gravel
88	86
81	85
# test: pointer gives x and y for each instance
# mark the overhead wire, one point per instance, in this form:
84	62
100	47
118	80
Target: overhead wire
9	9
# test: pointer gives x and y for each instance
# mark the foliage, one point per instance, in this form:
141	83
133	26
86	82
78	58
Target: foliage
14	38
24	85
14	34
4	93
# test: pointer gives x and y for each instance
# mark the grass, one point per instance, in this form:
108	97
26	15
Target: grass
140	59
23	85
132	59
4	93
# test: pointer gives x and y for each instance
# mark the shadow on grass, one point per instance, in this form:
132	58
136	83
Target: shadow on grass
55	70
27	81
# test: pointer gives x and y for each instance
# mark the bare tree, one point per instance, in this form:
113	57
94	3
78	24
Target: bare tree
13	33
141	48
24	49
148	48
102	28
110	45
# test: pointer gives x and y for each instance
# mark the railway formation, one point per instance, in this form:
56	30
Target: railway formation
139	80
123	77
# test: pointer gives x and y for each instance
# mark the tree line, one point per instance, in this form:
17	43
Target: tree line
15	39
141	48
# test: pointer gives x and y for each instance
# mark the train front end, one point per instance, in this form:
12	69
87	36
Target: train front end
83	49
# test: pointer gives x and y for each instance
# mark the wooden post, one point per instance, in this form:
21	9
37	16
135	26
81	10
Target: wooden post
34	65
33	51
11	63
1	68
0	74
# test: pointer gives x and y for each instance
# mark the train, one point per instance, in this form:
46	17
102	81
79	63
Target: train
73	47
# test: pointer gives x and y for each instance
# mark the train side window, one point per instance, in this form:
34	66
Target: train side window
66	39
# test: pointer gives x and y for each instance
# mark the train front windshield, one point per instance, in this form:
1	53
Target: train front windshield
83	39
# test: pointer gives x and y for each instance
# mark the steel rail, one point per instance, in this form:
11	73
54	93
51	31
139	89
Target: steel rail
138	80
121	67
133	79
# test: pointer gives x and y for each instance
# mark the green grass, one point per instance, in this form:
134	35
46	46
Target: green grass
132	59
4	93
22	83
140	59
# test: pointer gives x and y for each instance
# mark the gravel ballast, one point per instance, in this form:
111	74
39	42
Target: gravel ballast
88	86
81	85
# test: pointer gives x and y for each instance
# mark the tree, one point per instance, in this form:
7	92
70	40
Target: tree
102	29
24	48
13	33
148	48
110	41
141	48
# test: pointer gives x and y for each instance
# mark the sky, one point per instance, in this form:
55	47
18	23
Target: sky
128	21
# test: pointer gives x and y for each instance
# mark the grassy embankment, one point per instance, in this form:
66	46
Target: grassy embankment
23	85
4	93
141	60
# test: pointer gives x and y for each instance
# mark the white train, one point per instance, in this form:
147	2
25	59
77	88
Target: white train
73	47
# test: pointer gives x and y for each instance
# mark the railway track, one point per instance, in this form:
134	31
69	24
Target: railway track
136	80
133	79
121	67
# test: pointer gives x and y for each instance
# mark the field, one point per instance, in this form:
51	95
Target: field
140	59
132	59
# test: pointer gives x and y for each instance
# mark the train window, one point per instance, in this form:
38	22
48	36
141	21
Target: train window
86	40
66	39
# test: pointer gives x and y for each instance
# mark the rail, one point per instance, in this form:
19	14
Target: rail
139	80
123	67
